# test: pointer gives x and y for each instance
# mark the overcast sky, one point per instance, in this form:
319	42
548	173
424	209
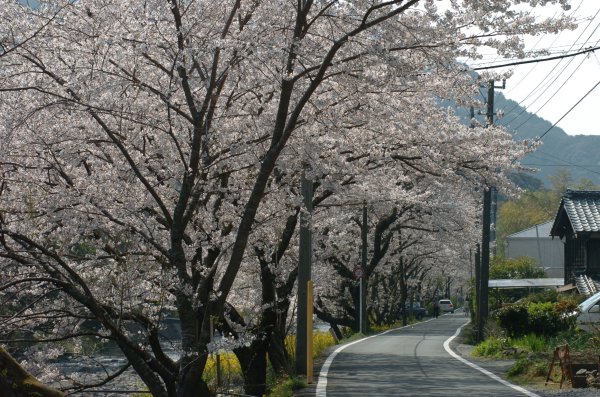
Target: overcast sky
551	88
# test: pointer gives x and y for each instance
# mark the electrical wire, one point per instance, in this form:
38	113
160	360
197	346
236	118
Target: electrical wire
569	111
548	49
554	81
565	162
550	97
534	60
549	83
550	78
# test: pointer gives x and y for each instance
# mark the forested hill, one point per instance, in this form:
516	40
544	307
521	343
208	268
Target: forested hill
577	153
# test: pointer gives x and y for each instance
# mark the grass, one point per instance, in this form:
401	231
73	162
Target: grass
397	324
493	346
286	386
530	343
530	370
497	346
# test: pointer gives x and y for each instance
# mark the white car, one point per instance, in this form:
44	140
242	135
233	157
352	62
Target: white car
446	306
589	318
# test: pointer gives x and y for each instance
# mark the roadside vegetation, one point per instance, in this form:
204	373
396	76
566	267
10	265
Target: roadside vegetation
223	371
530	329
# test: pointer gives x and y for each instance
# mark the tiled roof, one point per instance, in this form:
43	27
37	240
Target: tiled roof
583	210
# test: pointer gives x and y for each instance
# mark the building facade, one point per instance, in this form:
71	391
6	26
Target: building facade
536	242
577	225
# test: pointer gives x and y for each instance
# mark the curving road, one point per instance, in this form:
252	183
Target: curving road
409	361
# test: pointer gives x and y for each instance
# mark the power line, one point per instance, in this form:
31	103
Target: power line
569	111
556	76
551	97
560	165
554	79
565	162
550	47
587	50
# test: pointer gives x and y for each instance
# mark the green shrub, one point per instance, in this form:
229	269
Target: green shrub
540	318
514	319
548	295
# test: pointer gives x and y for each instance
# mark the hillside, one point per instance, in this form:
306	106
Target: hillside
577	153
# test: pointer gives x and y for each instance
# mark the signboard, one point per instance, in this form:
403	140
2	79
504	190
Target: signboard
359	272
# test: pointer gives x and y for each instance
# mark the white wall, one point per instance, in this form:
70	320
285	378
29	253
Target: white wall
548	252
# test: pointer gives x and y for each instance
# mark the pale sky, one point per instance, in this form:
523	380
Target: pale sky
551	88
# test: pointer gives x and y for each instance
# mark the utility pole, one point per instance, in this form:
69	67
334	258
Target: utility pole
485	262
486	224
304	276
478	280
478	317
494	192
362	280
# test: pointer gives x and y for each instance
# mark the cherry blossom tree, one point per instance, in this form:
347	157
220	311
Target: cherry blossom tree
146	146
406	241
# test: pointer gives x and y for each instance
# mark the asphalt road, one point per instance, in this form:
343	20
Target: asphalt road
410	361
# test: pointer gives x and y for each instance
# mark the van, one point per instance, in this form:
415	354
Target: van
589	316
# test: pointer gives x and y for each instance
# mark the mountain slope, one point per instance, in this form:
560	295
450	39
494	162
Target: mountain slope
577	153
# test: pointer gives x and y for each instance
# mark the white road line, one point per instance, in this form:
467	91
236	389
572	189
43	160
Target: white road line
322	383
321	390
483	370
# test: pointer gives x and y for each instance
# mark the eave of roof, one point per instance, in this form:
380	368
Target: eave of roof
582	210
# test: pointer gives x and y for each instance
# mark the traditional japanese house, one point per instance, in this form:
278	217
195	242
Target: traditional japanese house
577	224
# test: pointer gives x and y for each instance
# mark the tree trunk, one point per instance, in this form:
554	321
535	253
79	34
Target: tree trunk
403	292
253	361
191	383
278	354
274	316
195	334
337	332
15	381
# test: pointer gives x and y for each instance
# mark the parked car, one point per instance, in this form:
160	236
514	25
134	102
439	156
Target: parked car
589	316
415	311
446	306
